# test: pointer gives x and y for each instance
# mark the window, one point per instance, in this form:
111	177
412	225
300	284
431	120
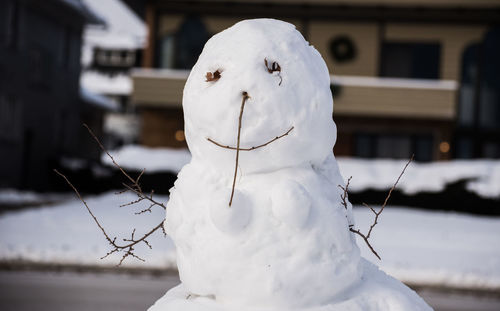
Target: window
180	50
113	59
9	21
410	60
394	146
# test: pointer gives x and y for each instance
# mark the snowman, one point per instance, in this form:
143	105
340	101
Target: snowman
256	216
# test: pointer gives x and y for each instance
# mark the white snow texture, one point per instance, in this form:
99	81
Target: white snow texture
284	243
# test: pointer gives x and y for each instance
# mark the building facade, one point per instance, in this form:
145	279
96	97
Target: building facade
408	76
109	52
41	104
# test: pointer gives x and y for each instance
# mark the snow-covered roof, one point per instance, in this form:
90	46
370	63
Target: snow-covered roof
178	74
89	15
123	29
97	100
119	84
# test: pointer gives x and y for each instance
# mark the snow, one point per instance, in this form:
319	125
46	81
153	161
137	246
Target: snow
13	197
265	227
418	247
118	84
98	100
66	234
435	248
134	157
483	175
178	74
378	174
124	30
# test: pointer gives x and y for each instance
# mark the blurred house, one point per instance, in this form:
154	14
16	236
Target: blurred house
42	106
412	76
109	52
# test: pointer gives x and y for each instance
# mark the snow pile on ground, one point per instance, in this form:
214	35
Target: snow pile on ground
13	197
256	216
66	234
435	248
134	157
378	174
416	246
419	177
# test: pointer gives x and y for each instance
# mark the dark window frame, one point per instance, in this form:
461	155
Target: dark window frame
411	48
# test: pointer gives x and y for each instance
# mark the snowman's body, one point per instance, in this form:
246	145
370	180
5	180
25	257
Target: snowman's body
284	242
286	247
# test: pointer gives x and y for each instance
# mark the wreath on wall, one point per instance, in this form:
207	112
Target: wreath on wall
343	49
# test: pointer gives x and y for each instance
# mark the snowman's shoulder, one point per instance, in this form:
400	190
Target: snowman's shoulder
197	177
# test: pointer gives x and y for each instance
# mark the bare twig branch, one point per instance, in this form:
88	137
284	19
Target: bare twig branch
343	196
109	155
251	148
377	214
135	187
88	209
127	248
245	97
366	237
132	202
238	148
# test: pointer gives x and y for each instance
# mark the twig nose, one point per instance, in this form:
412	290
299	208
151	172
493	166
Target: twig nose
245	94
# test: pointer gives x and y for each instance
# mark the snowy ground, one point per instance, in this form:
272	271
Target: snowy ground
65	233
420	247
16	198
435	248
483	175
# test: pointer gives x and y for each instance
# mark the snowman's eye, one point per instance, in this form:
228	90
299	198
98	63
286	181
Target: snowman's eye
272	68
212	76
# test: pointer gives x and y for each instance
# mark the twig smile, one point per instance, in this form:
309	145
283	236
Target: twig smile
245	96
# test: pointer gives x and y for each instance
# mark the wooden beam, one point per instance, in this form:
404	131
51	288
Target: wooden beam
148	55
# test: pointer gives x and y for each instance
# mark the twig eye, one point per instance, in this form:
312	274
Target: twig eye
274	67
212	76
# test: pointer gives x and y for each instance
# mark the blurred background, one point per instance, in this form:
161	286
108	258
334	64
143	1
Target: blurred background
408	78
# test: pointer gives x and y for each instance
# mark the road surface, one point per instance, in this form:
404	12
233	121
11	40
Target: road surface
63	291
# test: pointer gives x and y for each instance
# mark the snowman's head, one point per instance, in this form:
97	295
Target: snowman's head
288	86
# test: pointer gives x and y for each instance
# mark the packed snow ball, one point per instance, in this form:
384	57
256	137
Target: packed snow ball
256	216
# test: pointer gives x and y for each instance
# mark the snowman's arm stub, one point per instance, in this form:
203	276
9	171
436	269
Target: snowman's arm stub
291	203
